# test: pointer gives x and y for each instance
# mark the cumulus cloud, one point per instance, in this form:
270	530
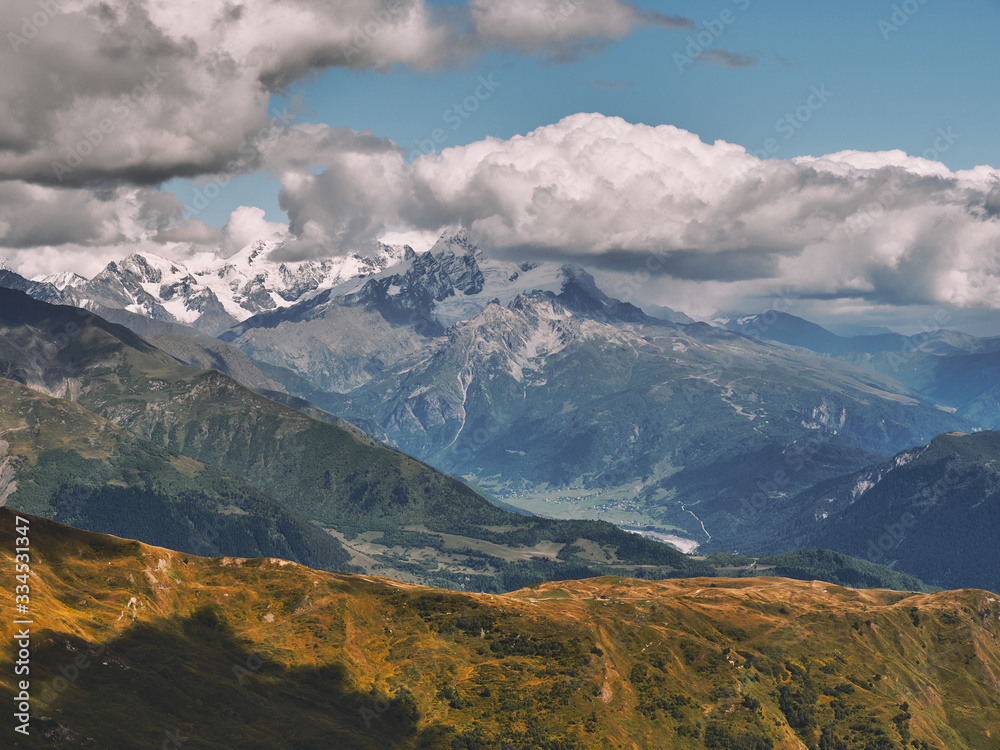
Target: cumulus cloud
44	229
884	227
32	215
346	204
637	201
142	91
195	232
247	225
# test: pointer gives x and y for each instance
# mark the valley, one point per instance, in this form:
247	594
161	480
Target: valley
528	383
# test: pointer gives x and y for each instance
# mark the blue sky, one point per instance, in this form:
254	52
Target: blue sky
892	86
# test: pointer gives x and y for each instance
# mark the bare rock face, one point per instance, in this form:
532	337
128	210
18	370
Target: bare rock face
7	484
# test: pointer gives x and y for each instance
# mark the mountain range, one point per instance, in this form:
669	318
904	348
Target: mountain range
954	369
498	372
542	392
103	430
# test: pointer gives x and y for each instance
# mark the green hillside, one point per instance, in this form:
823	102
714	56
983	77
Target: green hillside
932	512
60	461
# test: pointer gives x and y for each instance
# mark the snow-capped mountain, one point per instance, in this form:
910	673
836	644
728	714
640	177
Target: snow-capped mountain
452	282
61	280
529	379
340	337
456	280
212	293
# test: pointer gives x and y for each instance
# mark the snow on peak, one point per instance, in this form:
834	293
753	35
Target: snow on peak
60	281
456	243
235	288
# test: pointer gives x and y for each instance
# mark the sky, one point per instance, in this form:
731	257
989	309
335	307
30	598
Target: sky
839	160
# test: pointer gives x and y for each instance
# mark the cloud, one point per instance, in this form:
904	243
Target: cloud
656	18
637	201
32	216
137	91
729	59
101	101
347	204
883	227
195	232
44	229
247	225
616	84
562	30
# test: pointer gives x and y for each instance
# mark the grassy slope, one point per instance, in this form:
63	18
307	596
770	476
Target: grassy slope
70	464
281	656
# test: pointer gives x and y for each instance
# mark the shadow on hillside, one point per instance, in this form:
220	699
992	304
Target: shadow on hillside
192	683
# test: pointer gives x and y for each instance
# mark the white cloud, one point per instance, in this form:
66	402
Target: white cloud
45	230
885	227
709	223
143	91
562	29
247	225
103	100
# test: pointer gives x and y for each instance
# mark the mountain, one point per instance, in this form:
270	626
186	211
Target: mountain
61	280
536	402
211	293
789	329
142	646
958	371
344	336
40	290
931	511
190	346
392	513
61	461
794	331
668	314
543	391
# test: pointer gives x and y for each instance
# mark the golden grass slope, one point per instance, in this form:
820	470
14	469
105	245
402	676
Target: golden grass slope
229	653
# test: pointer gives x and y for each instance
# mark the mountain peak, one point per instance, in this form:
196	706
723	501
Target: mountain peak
255	251
458	242
60	281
